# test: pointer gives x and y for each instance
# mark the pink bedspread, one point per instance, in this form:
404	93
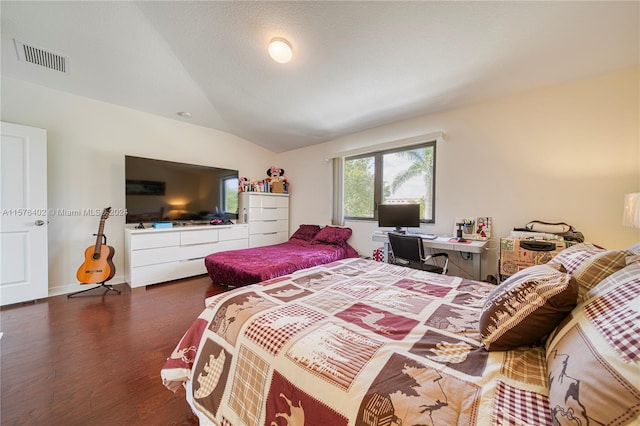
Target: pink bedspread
248	266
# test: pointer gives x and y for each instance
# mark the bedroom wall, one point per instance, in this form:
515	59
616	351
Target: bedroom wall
563	153
87	141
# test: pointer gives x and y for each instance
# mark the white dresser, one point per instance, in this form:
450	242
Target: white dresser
158	255
267	215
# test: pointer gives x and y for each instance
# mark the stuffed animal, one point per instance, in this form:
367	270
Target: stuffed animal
277	181
275	174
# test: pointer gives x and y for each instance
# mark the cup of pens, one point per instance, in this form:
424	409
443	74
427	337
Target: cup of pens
467	226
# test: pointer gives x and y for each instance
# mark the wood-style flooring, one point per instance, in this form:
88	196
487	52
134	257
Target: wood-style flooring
95	359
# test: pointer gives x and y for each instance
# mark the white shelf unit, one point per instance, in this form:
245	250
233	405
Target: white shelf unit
158	255
267	215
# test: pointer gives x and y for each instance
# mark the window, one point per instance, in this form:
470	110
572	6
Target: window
396	176
230	195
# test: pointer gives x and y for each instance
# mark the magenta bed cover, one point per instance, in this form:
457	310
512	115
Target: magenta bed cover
248	266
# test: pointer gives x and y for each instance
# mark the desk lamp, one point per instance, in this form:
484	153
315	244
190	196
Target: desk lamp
459	237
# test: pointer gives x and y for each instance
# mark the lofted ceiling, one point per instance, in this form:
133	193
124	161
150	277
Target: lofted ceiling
357	65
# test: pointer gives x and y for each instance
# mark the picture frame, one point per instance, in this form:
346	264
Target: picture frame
474	228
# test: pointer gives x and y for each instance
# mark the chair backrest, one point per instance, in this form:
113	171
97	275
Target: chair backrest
407	247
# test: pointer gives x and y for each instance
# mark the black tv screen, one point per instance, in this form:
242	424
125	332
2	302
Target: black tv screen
399	216
158	190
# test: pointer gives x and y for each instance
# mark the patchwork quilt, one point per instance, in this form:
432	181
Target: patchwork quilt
355	342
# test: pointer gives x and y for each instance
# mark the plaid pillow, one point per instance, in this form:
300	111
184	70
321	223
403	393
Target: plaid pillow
572	257
634	248
594	356
598	267
526	307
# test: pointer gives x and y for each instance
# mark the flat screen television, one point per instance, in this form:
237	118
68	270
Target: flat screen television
399	216
158	190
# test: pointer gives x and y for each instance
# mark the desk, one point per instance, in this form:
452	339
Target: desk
442	243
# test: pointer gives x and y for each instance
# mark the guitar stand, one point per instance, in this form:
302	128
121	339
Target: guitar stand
108	287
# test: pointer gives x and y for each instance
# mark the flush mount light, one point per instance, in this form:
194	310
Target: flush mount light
184	114
280	50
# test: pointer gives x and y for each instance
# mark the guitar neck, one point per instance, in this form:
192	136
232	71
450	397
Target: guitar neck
98	245
99	237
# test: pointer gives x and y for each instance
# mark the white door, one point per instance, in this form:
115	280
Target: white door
23	214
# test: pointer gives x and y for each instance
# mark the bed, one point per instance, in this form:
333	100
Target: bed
358	342
309	246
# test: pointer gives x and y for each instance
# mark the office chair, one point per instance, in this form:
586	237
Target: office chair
408	250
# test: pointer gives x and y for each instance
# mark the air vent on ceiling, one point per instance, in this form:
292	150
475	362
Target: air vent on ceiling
38	56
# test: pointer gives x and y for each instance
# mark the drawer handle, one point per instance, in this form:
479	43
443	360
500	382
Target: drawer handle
269	233
198	244
270	208
271	220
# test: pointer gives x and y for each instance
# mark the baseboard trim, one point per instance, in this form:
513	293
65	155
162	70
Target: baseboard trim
71	288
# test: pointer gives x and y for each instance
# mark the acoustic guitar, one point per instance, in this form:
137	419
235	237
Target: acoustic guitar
98	266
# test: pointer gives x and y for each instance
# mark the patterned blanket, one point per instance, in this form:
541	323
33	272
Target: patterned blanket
355	342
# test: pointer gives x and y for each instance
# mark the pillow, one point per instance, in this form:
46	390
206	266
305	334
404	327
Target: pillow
332	235
526	307
611	282
593	358
634	258
306	232
634	248
598	267
572	257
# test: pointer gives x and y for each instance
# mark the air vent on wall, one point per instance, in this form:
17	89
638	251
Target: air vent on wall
38	56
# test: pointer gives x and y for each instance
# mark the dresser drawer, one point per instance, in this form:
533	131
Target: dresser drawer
268	201
269	226
198	251
198	237
155	240
232	245
257	240
154	256
235	233
268	213
152	274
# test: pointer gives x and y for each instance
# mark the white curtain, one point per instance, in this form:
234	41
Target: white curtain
337	215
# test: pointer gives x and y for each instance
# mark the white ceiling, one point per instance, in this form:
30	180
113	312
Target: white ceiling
356	65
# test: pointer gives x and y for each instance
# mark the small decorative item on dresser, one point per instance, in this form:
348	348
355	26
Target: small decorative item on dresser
277	187
278	181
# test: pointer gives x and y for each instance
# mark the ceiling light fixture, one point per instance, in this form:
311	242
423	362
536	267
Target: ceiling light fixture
184	114
280	50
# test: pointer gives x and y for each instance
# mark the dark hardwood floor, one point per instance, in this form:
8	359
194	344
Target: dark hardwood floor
95	359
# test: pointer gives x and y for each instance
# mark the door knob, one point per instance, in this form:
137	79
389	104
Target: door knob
39	222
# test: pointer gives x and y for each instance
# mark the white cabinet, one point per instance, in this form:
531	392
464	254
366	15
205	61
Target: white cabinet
267	215
158	255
